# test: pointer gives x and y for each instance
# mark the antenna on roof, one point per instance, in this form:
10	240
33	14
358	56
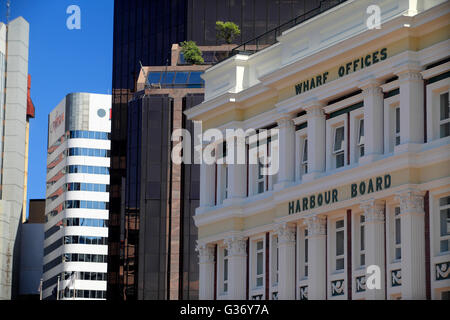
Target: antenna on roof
8	10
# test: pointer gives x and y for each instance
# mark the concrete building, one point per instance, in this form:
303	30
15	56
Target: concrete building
144	32
77	199
13	133
31	253
362	139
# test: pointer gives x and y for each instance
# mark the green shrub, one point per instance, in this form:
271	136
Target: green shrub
227	31
192	53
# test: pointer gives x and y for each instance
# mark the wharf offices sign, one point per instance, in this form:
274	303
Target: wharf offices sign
332	196
343	70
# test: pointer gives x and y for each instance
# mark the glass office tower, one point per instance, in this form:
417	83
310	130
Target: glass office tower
144	32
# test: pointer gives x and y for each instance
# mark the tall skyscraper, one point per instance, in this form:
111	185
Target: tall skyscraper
144	31
14	114
77	199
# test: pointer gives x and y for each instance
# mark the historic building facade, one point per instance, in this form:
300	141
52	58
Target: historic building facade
364	161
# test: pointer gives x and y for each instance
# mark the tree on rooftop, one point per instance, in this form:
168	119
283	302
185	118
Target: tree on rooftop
227	31
191	52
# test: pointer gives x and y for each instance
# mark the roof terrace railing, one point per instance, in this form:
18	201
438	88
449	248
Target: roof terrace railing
270	37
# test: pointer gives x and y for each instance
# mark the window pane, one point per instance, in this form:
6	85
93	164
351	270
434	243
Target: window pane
444	114
338	138
361	131
362	238
181	77
445	222
340	160
305	151
444	130
225	270
259	282
397	120
398	237
339	224
154	77
167	78
398	253
259	263
340	264
259	245
339	243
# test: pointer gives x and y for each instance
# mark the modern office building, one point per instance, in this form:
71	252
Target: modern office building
359	208
15	111
77	198
144	31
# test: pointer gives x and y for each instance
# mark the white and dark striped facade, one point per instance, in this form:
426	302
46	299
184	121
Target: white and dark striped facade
364	161
77	198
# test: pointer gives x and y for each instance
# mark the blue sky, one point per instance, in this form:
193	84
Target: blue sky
62	61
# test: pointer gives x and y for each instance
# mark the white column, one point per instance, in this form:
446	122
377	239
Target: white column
206	271
207	184
412	220
316	140
237	268
373	119
287	150
374	243
237	173
317	240
286	267
411	106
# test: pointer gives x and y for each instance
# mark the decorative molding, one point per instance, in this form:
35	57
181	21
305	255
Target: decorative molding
304	293
286	233
285	120
205	253
410	75
316	225
443	270
411	201
360	284
337	287
371	91
236	246
396	278
373	210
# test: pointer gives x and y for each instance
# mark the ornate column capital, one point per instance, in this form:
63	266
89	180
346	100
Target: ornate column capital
236	246
410	75
285	120
373	210
370	86
286	233
314	107
316	225
205	252
411	201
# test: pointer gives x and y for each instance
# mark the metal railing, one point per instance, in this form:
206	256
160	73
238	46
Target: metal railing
270	37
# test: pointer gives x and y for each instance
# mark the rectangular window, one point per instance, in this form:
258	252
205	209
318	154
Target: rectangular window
361	137
340	236
305	262
397	235
339	146
225	270
397	126
444	119
225	187
305	156
261	179
362	243
259	263
444	224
